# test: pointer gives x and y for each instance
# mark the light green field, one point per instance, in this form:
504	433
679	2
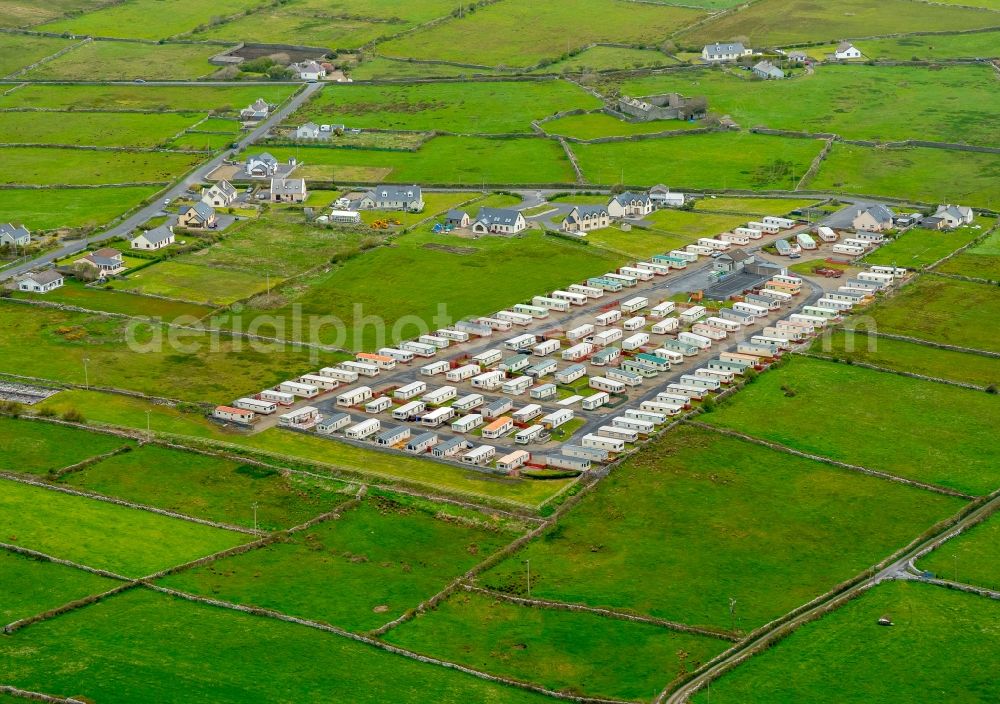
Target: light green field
46	166
380	67
560	650
18	51
981	260
37	448
918	247
931	432
31	586
911	357
847	658
597	125
148	19
211	488
144	542
699	518
638	243
921	174
692	161
22	13
94	128
143	646
181	364
463	161
126	61
973	557
934	47
194	283
752	206
69	207
778	22
607	58
513	41
280	446
385	558
943	310
900	102
692	224
200	98
199	142
449	107
103	301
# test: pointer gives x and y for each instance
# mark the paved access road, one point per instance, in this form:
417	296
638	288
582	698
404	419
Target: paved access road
180	188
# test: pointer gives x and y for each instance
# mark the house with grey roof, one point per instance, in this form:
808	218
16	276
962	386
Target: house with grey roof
720	52
40	281
11	235
105	261
846	50
255	112
261	165
408	198
499	221
583	218
729	262
310	130
288	190
664	197
767	71
309	70
457	218
954	215
219	195
198	215
630	205
151	240
875	218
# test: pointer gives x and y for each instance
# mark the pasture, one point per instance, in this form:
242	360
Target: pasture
95	129
943	310
847	658
912	173
141	645
211	488
122	540
199	98
50	166
981	260
19	51
561	650
143	357
52	585
70	207
752	161
918	247
972	557
448	107
752	206
148	19
194	283
935	47
463	161
608	58
778	22
697	519
38	448
911	357
521	31
638	243
900	102
23	13
384	556
929	432
595	125
126	61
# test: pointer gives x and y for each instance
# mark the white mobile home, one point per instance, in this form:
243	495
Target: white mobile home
602	443
595	401
836	305
440	395
827	234
623	279
608	317
783	223
695	392
543	392
579	332
488	380
304	417
805	240
662	310
603	384
636	341
449	448
434	368
588	291
360	368
454	335
467	423
422	442
648	416
477	329
496	324
751	308
724	375
636	273
488	357
468	402
576	299
529	412
616	433
515	363
379	360
666	325
528	435
543	368
512	461
378	404
320	382
877	277
605	356
333	423
712	384
479	455
770	229
498	428
690	338
710	331
748	232
571	373
516	386
557	418
550	303
265	408
434	341
723	324
663	408
605	337
364	429
466	371
279	397
515	318
347	376
699	250
850	250
235	415
782	343
437	417
399	355
635	323
894	271
713	244
735	238
818	321
411	390
409	410
393	436
690	315
520	342
297	389
419	348
497	408
671	356
643	427
655	267
624	376
683	254
546	347
534	311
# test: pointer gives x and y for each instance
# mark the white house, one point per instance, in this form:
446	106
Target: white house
106	261
457	218
310	130
715	53
408	198
261	165
583	218
663	197
874	218
505	221
767	71
954	215
41	281
11	235
151	240
219	195
255	112
309	71
288	190
630	205
846	50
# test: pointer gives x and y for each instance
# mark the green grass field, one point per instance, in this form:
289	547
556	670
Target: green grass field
752	161
49	166
142	543
189	367
699	518
606	58
103	301
384	558
381	67
910	357
37	448
638	243
972	557
921	174
778	22
94	129
929	432
195	283
449	107
192	427
141	645
22	13
752	206
935	47
148	19
405	298
463	161
18	51
943	310
31	586
918	247
594	125
900	102
126	61
211	488
197	98
847	658
564	651
69	207
981	260
517	42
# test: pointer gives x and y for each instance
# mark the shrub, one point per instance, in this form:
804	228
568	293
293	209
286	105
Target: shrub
72	415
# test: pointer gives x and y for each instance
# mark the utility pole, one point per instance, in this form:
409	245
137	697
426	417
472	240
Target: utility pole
255	515
528	564
86	376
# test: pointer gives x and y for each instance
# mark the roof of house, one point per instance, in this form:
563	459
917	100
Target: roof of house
456	215
104	257
497	216
768	68
310	126
844	46
259	104
932	220
589	211
224	187
45	277
955	211
288	185
422	438
203	210
629	197
448	444
264	157
878	211
108	253
729	48
395	193
157	235
737	255
308	67
11	230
